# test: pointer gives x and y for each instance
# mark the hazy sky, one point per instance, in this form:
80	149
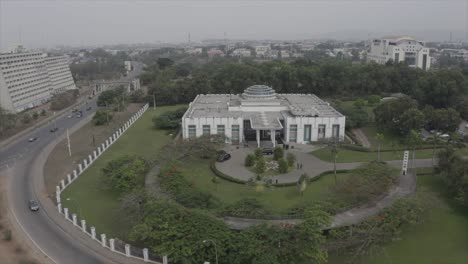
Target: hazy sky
48	23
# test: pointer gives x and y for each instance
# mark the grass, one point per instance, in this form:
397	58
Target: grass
275	199
345	155
442	238
100	207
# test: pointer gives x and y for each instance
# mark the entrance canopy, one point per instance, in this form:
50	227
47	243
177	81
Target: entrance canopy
266	121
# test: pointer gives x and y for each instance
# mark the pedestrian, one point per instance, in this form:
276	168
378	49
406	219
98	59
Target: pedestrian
276	181
301	166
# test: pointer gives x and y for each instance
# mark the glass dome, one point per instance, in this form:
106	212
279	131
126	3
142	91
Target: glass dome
261	92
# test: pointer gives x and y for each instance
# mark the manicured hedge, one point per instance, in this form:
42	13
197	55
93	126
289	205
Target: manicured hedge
224	176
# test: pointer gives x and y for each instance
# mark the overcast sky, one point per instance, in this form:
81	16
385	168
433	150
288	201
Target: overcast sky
86	22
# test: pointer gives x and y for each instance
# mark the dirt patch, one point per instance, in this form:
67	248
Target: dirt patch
82	142
15	247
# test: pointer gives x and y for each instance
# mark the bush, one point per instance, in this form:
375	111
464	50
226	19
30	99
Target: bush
63	100
249	160
101	116
278	153
169	120
126	173
7	235
26	118
35	115
245	207
282	166
260	165
258	153
43	112
291	158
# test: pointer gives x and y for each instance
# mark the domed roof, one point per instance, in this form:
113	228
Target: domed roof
261	92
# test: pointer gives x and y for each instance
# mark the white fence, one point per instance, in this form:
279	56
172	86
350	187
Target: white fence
112	244
405	162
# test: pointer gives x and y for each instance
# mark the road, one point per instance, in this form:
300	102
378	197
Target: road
17	162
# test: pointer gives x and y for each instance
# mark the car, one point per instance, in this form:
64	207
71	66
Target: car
466	126
267	151
88	108
223	156
53	130
78	116
74	110
70	116
444	136
32	139
33	206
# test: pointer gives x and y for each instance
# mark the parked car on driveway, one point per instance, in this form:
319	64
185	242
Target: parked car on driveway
223	156
33	205
267	151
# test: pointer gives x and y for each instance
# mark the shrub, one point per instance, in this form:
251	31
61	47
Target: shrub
291	158
63	100
278	153
169	120
43	112
260	165
249	160
282	166
7	235
258	153
101	116
35	115
26	118
126	173
249	207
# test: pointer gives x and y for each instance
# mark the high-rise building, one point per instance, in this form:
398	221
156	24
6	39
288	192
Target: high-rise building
400	49
30	79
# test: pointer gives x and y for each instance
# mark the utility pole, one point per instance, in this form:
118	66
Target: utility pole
68	143
154	101
107	114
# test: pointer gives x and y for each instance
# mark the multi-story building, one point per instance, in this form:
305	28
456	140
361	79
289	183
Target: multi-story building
30	79
241	52
400	49
262	116
262	51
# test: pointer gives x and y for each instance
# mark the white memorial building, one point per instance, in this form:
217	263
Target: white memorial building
260	115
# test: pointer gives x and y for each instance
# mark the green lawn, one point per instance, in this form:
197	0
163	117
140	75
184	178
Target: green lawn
442	238
390	140
87	196
345	155
275	199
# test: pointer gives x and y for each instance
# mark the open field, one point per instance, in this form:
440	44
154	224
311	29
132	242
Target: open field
100	207
442	238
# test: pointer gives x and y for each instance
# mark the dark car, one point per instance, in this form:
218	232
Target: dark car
89	108
53	130
267	151
223	156
33	205
32	139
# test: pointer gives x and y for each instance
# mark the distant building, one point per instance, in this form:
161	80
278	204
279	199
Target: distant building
284	54
30	79
262	51
400	49
242	52
194	51
260	115
128	66
214	52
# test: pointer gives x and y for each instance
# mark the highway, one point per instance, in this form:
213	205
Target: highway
17	162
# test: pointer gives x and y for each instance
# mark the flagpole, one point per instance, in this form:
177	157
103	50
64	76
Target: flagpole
68	141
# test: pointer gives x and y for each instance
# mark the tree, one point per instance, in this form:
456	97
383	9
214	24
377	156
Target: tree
260	165
26	118
170	119
454	171
43	112
291	158
258	153
249	160
373	100
333	146
302	183
102	117
283	166
413	140
164	63
380	137
278	153
388	114
411	119
445	120
7	120
125	173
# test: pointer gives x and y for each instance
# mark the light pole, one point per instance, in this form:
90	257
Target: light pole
76	205
216	249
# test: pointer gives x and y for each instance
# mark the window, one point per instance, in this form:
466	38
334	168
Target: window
292	133
206	130
321	131
397	57
307	131
220	130
336	131
192	131
235	133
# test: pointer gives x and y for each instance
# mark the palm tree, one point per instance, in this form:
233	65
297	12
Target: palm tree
333	145
380	137
413	140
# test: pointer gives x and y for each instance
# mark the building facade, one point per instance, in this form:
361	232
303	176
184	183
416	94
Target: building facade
260	115
400	49
30	79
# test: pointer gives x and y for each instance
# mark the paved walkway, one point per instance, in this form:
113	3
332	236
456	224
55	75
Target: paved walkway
361	137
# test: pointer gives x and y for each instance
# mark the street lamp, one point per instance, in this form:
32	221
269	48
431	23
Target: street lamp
76	205
216	249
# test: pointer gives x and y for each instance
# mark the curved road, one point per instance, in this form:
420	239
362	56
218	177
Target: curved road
17	162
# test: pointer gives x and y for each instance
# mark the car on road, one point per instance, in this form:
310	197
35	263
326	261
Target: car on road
78	115
74	110
88	108
223	156
32	139
70	116
33	205
53	130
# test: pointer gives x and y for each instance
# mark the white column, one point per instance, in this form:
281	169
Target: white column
111	244
90	159
83	225
63	184
80	168
273	139
95	154
85	162
103	240
65	212
102	147
93	232
74	219
75	174
57	196
257	136
57	189
69	178
59	207
145	255
127	250
165	260
107	143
